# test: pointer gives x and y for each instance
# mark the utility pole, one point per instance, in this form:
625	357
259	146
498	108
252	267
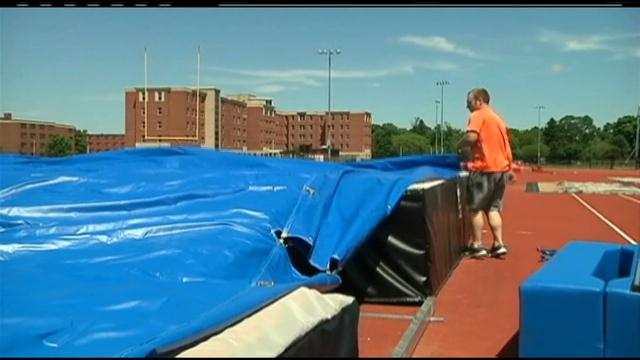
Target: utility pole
146	96
539	107
638	139
198	100
442	83
329	53
435	128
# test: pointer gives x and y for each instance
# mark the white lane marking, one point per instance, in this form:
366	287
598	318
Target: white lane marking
629	198
615	228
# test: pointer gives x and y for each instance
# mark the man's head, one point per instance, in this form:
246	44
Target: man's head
476	98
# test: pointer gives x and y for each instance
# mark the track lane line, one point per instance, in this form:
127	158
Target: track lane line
629	198
606	221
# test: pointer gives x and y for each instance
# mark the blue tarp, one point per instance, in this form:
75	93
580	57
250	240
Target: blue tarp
134	252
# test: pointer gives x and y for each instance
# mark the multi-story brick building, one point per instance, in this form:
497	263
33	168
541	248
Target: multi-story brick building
349	132
179	116
29	137
242	122
266	132
234	124
105	142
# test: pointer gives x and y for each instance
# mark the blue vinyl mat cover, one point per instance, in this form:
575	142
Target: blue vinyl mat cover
136	252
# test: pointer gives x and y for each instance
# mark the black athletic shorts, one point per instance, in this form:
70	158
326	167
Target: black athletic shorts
486	190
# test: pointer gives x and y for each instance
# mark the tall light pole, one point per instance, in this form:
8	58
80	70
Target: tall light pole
539	107
146	95
198	99
442	83
435	128
329	53
638	139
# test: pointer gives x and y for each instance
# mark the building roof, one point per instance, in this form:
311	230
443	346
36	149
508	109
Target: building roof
171	88
36	122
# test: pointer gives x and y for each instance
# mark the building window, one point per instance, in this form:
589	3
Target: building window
24	126
32	126
141	96
23	135
33	136
42	136
142	111
22	144
159	111
159	96
159	125
41	127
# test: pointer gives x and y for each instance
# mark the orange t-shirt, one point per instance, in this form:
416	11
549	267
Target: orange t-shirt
492	152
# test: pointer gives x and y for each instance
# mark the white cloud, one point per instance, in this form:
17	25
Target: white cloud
438	65
315	77
556	68
270	89
438	43
593	42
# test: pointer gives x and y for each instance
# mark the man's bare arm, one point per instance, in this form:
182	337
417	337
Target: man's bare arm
468	139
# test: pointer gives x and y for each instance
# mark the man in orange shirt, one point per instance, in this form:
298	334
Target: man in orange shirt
489	170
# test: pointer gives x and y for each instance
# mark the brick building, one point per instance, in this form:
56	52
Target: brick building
179	116
266	132
242	122
29	137
349	132
105	142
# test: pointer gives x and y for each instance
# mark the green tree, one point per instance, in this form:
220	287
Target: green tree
568	137
382	135
620	141
418	126
80	141
610	148
452	137
619	148
409	143
60	146
529	153
624	126
522	138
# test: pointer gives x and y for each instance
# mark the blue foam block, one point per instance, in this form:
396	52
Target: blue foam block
622	309
562	304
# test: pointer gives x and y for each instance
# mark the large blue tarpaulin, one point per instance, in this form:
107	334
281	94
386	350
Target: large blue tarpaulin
135	252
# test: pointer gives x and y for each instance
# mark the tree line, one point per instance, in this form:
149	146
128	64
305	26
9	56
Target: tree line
60	145
568	140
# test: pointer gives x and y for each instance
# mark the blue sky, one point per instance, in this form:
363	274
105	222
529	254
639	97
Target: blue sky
73	65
